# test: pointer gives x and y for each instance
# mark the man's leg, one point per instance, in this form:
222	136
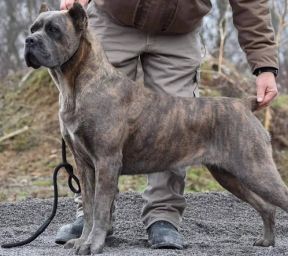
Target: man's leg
122	45
170	65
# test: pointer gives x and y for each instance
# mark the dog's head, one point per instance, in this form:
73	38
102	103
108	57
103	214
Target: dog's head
55	36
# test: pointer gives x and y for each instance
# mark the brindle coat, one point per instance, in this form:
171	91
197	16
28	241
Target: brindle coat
115	126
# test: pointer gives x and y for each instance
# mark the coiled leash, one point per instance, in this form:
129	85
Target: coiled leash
69	169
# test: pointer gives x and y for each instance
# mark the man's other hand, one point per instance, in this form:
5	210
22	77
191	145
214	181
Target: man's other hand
266	89
67	4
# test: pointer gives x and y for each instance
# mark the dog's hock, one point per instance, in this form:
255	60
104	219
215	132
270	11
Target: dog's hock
79	17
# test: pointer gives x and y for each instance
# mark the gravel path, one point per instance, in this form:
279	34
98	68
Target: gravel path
213	224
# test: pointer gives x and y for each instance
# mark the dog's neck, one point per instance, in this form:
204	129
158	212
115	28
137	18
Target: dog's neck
71	69
72	75
66	74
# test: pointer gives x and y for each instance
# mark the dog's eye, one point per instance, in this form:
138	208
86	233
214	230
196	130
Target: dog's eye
52	29
36	26
33	30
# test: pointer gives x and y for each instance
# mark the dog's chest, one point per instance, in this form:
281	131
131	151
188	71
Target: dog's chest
69	127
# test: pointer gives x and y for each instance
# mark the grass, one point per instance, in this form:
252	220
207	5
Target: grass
132	183
17	109
198	179
24	142
3	196
42	183
281	102
210	93
282	164
38	83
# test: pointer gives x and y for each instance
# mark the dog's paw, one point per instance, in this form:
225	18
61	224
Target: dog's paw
264	242
84	249
97	247
87	249
74	243
70	244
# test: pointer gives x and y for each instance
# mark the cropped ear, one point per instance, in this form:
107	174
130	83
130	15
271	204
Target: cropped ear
43	8
79	17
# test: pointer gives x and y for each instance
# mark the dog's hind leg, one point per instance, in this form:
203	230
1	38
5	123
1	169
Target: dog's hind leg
251	162
266	210
264	180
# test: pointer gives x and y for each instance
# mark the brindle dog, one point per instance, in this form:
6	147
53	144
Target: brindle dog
115	126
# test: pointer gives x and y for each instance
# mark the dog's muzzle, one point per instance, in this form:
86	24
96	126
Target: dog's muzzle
30	58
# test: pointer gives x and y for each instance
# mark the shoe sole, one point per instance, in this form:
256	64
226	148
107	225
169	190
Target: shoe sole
167	246
66	239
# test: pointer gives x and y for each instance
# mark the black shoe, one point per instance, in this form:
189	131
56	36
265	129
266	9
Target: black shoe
73	231
70	231
163	235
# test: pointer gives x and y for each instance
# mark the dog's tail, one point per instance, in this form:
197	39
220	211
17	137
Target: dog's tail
251	102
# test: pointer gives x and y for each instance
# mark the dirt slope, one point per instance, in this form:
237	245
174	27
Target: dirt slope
213	224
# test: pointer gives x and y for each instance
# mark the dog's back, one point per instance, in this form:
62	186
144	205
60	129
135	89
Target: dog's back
169	132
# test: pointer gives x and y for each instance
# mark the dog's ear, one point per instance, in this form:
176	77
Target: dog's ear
43	8
79	17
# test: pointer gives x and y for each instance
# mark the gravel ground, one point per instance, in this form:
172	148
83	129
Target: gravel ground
213	224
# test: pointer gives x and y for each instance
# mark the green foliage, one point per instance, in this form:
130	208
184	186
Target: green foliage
210	93
206	72
22	195
282	164
200	180
42	183
132	183
3	196
281	102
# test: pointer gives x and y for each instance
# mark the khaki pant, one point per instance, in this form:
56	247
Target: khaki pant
170	65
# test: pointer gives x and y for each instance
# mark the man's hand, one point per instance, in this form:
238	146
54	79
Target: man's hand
266	89
67	4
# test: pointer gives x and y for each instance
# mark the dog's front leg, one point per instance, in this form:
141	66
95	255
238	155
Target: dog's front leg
107	171
86	173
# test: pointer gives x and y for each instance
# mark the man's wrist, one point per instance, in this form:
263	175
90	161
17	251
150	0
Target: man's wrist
258	71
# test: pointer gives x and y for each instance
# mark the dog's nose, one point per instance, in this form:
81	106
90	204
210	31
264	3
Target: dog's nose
30	41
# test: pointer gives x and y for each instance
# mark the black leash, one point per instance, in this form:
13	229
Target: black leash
69	169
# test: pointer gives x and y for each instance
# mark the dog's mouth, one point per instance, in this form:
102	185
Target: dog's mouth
31	60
